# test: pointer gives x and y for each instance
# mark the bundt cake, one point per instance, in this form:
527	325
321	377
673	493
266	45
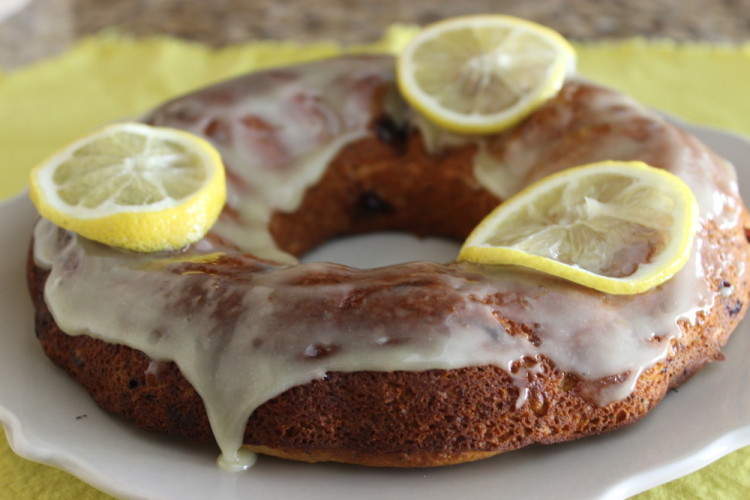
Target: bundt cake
410	365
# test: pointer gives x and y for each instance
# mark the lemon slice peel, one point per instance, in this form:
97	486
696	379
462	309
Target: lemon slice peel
133	186
484	61
655	258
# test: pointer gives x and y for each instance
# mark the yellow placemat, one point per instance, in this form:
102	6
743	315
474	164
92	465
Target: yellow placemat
108	76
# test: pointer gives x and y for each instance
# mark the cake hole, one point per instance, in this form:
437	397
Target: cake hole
367	251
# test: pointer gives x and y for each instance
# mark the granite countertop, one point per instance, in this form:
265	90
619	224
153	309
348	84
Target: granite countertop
34	29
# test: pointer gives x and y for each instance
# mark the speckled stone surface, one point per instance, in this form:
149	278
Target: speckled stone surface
42	28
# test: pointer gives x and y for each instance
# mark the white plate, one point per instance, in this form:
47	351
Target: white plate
50	419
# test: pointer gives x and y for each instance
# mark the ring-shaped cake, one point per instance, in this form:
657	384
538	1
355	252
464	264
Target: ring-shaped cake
415	364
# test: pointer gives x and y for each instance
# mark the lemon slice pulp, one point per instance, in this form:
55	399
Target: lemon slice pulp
133	186
617	227
481	74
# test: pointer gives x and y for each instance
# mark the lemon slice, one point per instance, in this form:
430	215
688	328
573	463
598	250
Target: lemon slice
617	227
133	186
481	74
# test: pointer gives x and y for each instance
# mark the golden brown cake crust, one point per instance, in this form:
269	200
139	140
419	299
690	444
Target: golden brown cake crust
404	418
398	419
